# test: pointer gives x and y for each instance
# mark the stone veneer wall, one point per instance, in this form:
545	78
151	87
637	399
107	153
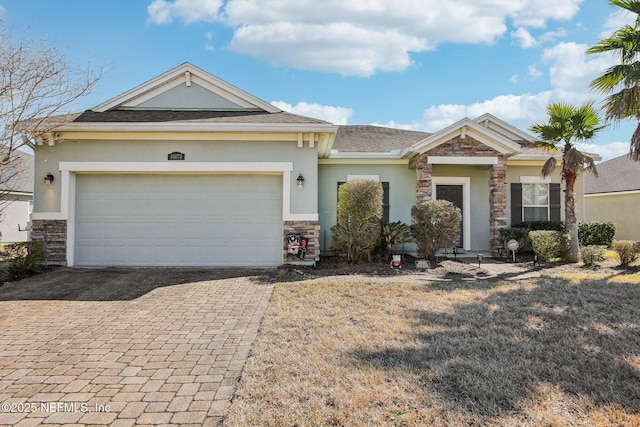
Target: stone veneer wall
308	229
53	235
423	179
497	202
469	147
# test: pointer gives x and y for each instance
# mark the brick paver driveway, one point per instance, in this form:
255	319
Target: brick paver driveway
123	347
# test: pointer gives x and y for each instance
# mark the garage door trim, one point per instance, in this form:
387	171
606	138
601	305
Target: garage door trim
70	169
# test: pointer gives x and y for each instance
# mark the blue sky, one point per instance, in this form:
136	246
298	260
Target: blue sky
415	64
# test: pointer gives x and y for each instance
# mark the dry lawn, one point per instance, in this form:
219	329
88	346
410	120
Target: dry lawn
402	351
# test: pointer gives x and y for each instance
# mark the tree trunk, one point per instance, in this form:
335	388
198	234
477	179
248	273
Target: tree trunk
571	222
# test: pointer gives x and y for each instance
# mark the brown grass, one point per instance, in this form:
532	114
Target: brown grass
402	351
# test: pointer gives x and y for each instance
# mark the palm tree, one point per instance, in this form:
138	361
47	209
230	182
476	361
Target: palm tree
567	125
622	82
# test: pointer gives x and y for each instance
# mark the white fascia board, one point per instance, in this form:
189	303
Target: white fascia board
198	127
543	157
17	193
354	155
614	193
172	166
460	160
506	126
179	73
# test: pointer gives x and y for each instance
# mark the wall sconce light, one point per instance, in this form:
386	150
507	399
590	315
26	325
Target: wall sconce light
300	181
48	179
479	260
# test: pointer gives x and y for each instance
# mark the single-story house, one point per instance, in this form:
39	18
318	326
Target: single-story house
16	198
614	196
187	169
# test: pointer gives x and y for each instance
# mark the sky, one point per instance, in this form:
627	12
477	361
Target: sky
412	64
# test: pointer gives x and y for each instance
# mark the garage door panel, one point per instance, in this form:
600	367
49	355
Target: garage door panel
195	220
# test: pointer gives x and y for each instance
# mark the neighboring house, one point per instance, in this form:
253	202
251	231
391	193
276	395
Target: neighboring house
16	199
187	169
614	196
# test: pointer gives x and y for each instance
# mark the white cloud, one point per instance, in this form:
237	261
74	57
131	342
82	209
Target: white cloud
519	110
572	71
607	151
534	73
367	50
615	21
524	39
189	11
360	37
514	79
3	10
335	115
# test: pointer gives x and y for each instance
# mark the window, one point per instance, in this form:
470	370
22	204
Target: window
385	200
535	202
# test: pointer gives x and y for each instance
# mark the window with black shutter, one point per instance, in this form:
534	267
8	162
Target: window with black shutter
535	202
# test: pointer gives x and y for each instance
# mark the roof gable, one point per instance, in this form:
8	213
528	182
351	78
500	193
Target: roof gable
186	87
503	128
463	128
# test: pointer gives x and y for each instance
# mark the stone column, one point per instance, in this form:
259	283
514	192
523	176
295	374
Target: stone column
497	202
308	229
53	235
423	179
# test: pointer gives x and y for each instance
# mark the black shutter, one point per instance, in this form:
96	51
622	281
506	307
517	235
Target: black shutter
554	202
385	202
516	203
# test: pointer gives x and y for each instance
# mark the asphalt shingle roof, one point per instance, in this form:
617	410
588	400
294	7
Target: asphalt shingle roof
374	139
158	116
619	174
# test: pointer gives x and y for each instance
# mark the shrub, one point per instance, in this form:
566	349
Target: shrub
435	224
359	211
391	234
549	245
593	254
24	258
520	232
596	233
627	251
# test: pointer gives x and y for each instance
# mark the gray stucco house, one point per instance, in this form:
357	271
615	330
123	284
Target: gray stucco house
187	169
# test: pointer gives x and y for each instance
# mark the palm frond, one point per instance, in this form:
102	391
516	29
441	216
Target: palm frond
632	6
576	160
548	167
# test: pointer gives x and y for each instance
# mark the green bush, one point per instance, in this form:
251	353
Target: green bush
596	233
549	245
357	233
24	258
541	225
392	234
593	254
627	251
520	232
435	225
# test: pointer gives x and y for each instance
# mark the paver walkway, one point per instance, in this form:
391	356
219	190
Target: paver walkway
172	356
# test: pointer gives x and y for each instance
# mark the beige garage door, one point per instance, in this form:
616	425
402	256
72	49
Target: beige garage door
178	220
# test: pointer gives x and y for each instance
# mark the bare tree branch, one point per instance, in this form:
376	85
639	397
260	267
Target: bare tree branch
38	88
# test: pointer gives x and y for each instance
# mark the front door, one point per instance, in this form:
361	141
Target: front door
452	193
